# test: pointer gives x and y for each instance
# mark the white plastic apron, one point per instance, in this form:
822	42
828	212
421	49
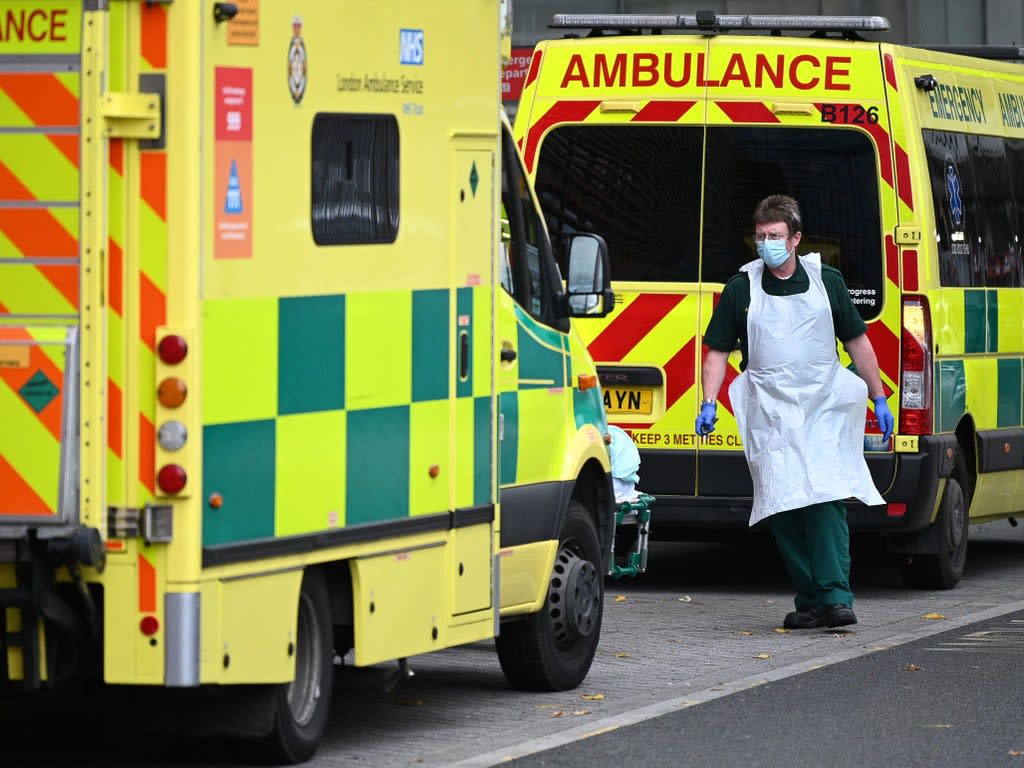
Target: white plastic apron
800	413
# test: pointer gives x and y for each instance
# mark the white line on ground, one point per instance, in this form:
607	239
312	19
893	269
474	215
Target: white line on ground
651	711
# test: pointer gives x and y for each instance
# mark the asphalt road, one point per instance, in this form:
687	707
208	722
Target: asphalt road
954	699
695	638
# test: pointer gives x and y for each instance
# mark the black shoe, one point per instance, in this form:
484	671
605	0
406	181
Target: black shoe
807	618
839	615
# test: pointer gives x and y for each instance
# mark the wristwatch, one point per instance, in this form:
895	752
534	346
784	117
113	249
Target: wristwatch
705	401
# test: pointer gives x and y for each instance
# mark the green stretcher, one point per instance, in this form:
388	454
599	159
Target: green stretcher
633	562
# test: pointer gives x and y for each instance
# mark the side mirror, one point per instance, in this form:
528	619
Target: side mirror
588	289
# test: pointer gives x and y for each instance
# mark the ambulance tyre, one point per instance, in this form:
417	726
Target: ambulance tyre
300	708
943	569
552	650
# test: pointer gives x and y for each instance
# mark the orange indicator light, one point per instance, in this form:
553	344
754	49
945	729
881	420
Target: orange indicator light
172	392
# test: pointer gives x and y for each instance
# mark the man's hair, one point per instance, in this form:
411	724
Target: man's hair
778	208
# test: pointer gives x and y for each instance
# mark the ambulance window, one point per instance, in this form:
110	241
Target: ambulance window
355	179
952	181
994	192
1015	169
975	199
528	271
638	186
832	173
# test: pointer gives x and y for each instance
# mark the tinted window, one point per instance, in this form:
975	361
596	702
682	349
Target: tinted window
831	173
638	187
976	195
528	271
355	179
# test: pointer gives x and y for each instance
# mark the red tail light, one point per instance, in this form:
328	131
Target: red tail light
171	478
916	368
172	349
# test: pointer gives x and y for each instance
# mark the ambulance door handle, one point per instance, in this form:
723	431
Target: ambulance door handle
507	353
463	356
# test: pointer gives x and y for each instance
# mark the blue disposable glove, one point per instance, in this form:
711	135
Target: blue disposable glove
884	416
706	420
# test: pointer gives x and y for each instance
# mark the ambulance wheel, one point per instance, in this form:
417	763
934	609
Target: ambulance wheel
552	650
301	707
943	569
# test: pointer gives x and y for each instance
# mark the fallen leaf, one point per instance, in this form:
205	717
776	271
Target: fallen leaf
581	712
558	713
938	725
593	697
933	616
410	702
546	706
783	630
763	656
685	599
620	598
745	633
1017	753
912	668
622	655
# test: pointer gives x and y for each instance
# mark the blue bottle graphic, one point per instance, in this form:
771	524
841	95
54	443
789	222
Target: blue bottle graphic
233	198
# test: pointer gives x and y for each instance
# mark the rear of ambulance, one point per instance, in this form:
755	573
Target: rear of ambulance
82	281
47	309
665	143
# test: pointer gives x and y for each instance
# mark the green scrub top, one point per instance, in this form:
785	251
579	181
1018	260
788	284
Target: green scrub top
728	322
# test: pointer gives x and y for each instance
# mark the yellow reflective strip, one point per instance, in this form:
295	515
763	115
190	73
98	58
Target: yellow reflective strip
429	437
28	446
37	163
25	290
374	379
310	481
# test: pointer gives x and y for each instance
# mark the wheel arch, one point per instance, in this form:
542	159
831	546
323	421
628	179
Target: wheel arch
967	444
593	489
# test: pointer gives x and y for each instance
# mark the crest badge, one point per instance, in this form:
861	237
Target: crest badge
297	62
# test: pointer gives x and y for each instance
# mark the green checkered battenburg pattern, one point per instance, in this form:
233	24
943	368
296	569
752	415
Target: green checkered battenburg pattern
327	411
981	372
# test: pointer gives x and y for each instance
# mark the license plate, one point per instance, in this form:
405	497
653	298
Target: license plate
628	400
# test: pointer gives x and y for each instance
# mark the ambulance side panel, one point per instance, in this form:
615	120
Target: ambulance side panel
966	139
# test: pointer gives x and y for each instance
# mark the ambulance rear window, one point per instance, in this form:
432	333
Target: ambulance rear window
832	173
639	186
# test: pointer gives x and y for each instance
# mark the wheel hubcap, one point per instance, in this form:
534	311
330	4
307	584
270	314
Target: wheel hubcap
574	597
304	690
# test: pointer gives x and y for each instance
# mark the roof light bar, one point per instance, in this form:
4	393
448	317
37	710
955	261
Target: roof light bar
705	21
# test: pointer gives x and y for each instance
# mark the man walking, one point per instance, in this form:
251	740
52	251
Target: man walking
800	413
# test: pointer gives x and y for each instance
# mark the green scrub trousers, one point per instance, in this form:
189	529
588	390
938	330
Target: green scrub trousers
814	542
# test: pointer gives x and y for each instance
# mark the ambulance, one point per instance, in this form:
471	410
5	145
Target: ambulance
663	132
286	365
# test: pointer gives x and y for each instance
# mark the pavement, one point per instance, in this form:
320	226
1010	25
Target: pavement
702	624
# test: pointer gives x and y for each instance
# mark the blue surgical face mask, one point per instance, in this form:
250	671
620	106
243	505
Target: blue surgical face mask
773	252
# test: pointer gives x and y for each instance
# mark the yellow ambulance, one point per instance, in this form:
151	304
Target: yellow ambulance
664	131
286	364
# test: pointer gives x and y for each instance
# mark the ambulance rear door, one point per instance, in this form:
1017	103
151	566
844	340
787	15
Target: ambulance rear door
43	260
809	119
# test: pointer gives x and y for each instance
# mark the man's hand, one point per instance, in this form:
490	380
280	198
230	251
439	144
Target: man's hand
705	424
884	416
